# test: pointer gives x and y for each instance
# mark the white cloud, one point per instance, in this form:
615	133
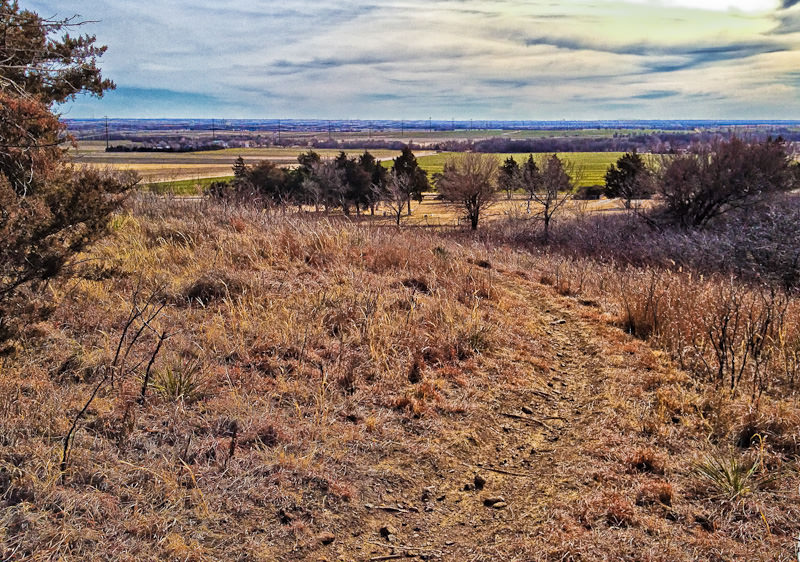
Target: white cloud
752	6
466	58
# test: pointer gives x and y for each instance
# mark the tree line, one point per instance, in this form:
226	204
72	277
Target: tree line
348	183
693	187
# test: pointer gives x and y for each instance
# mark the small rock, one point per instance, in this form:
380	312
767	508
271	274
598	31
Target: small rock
450	543
468	487
489	502
326	538
388	530
441	498
527	410
479	482
499	505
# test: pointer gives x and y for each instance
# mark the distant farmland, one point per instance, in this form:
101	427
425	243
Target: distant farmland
157	167
592	165
190	172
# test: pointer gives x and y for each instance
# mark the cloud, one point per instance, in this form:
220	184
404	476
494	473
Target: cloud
657	95
459	58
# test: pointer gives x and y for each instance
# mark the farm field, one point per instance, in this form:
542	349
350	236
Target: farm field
170	167
434	212
190	172
592	165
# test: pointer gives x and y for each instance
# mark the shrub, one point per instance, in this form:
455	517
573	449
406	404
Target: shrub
49	211
588	193
699	186
628	179
729	475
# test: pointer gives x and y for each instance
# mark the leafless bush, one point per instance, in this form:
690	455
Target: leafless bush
710	180
469	181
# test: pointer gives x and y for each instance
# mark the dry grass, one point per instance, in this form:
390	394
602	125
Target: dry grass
177	166
326	377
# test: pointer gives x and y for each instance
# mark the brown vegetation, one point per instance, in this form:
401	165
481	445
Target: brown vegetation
322	381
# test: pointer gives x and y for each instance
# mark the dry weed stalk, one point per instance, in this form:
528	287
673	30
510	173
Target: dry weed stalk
143	314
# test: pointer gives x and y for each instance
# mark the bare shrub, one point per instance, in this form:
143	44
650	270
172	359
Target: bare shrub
710	180
470	181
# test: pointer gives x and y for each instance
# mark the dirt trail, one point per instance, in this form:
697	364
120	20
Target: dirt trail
483	494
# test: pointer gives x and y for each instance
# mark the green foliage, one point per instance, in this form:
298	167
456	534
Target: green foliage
628	179
731	476
35	64
406	166
239	168
507	179
48	211
184	382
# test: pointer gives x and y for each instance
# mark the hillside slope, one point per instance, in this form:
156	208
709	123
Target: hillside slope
325	391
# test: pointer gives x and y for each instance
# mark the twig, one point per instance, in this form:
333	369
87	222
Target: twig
161	338
526	419
387	508
70	434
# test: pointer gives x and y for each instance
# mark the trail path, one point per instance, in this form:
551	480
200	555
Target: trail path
536	447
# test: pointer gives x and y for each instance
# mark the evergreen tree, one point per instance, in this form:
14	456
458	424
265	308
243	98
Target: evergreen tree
48	211
406	165
628	179
508	177
239	168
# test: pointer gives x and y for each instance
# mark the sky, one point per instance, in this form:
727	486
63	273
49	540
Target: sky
446	59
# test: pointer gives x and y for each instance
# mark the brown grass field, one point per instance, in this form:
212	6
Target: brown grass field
164	167
329	390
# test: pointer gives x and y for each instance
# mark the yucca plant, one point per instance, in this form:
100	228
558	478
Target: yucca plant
183	382
733	476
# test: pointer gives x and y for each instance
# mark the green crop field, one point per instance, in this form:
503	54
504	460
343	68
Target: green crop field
591	166
183	187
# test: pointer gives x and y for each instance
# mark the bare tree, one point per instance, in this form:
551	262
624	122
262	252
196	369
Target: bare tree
550	187
395	192
470	180
711	180
326	185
